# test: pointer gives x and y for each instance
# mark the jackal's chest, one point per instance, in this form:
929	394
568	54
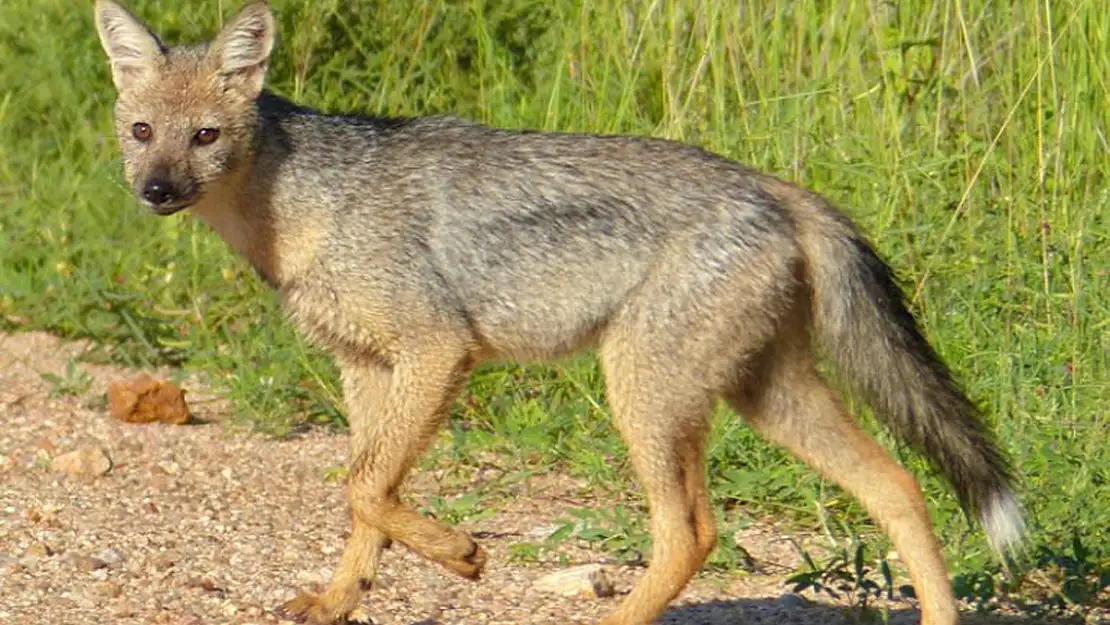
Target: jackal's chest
331	319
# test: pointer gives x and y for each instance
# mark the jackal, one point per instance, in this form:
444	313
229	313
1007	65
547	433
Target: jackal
415	248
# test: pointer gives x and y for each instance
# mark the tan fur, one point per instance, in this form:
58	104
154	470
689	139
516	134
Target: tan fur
414	249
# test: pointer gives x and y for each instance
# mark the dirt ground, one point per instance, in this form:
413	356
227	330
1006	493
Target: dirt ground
205	523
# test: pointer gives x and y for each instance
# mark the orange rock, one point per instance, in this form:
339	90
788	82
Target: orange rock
142	399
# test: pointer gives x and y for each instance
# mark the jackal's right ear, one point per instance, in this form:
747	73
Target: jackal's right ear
131	47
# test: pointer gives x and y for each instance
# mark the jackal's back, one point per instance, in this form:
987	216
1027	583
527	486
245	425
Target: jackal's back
534	239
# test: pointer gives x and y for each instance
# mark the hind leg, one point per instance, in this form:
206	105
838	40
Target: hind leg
790	405
673	347
664	426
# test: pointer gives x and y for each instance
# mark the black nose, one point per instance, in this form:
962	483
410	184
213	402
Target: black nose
159	192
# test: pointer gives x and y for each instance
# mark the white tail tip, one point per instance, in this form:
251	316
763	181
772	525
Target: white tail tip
1002	521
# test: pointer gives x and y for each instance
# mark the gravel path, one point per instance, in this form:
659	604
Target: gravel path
206	524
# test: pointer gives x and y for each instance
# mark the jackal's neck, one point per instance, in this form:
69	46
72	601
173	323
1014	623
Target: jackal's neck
256	210
228	210
278	202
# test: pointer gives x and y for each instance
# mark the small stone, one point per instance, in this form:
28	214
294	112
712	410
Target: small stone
143	399
110	557
163	482
88	564
169	467
163	562
33	554
123	609
306	576
206	584
542	531
590	580
109	589
85	461
38	550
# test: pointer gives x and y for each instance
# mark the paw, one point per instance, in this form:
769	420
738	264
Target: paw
312	609
469	562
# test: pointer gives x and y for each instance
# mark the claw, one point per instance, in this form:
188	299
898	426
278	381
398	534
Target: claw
309	609
471	563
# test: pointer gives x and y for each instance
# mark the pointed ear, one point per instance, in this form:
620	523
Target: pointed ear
131	47
242	49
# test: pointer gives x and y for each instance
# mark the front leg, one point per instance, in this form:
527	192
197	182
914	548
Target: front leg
394	412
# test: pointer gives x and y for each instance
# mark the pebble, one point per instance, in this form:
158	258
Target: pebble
112	558
589	580
88	564
84	461
109	589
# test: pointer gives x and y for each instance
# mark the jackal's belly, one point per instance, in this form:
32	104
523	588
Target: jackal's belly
542	319
537	337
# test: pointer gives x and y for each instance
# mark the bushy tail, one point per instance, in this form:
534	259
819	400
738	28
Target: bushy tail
862	323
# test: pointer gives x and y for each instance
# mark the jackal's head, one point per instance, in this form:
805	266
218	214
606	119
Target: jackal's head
184	116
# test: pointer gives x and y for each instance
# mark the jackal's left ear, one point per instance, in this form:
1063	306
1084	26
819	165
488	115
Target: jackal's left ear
242	49
131	47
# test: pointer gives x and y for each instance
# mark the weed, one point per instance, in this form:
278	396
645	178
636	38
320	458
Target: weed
455	509
846	575
334	474
526	552
617	530
73	382
1059	582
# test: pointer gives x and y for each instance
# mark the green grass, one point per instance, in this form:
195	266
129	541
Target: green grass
967	138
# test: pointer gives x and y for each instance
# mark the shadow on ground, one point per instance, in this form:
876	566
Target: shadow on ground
773	612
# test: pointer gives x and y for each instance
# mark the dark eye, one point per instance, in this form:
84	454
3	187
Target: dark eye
206	136
141	131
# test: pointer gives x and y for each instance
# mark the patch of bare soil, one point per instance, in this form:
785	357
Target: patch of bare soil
205	523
